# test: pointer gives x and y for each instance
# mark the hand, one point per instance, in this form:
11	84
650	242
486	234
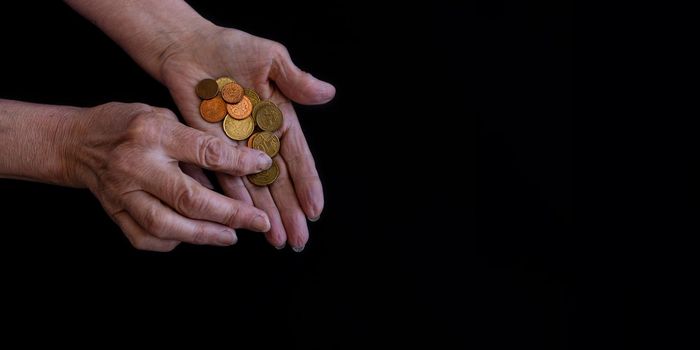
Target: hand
128	154
265	66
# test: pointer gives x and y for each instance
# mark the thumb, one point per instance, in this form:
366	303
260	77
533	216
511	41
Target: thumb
299	86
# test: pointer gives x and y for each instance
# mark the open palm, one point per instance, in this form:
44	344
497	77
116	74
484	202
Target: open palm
265	66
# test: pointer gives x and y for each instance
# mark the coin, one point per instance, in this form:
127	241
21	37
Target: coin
265	177
213	110
206	89
267	142
221	81
267	116
253	96
240	110
251	138
232	93
238	129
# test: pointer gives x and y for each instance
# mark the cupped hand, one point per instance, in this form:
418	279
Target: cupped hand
129	154
265	66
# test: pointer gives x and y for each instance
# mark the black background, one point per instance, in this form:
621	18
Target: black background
447	165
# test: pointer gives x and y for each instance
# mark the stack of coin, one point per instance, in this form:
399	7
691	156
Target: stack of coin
245	118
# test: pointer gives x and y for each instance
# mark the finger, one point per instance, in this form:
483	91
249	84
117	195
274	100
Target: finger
292	216
277	236
210	152
194	201
197	174
139	238
162	222
234	187
298	85
300	163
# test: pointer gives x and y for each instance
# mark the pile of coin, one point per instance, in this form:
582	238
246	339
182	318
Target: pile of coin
245	117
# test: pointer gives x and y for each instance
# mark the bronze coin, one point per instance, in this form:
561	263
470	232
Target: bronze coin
221	81
268	116
206	89
238	130
250	140
265	177
253	96
213	110
240	110
232	93
267	142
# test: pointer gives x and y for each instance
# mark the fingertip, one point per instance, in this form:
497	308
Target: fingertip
324	92
328	91
313	212
264	161
261	223
312	203
227	237
250	161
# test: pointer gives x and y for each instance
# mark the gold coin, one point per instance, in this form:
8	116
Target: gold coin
265	177
267	116
206	89
232	93
236	129
223	81
240	110
251	138
213	110
253	96
267	142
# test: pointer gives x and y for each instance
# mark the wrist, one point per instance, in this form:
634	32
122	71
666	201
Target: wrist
183	42
35	142
147	29
70	134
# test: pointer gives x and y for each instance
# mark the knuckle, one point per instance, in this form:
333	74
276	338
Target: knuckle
213	152
144	128
278	49
199	236
152	223
241	163
187	201
234	218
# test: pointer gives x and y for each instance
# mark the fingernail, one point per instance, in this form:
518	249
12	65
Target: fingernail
228	237
314	219
298	249
281	246
261	224
265	162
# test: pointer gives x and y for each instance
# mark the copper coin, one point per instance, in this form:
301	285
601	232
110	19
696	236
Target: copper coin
240	110
232	93
265	177
206	89
267	142
213	110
